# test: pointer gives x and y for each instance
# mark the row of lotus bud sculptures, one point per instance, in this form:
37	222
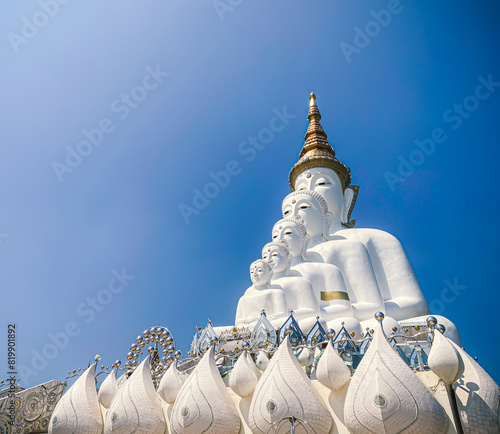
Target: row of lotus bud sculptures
282	367
303	383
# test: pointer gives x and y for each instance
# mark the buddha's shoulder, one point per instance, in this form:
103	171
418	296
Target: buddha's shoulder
309	268
291	281
364	234
266	292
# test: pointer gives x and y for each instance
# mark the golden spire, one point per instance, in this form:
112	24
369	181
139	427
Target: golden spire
316	151
315	136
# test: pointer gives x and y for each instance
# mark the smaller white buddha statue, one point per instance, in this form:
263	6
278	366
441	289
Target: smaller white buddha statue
326	279
261	295
349	256
299	292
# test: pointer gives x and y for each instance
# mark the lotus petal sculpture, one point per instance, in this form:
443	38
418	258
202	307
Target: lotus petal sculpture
78	410
108	389
262	361
136	407
444	360
244	376
170	384
284	390
478	398
332	371
385	396
203	404
306	358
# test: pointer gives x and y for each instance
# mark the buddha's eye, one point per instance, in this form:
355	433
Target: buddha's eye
275	236
289	232
286	212
276	254
322	181
304	206
302	188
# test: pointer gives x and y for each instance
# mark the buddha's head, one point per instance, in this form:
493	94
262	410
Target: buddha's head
277	256
319	169
260	272
311	208
293	233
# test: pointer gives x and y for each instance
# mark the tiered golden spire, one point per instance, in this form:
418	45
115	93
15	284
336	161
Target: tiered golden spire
315	136
316	151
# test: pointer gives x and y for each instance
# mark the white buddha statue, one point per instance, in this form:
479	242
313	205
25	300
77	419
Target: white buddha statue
319	170
326	279
298	291
349	256
261	295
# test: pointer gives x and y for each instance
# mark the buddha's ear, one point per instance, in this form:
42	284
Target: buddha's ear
350	197
327	221
305	244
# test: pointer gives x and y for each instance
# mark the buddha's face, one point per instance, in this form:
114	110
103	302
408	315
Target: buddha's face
289	233
274	257
259	273
307	208
325	182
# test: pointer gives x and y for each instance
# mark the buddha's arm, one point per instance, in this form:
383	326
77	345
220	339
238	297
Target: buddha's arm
328	287
306	302
353	259
276	298
335	300
405	299
249	308
241	317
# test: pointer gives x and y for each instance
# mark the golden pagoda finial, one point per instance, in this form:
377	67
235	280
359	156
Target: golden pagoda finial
312	99
315	129
317	152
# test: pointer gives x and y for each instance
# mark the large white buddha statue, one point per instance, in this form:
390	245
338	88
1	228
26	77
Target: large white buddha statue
261	295
318	169
298	291
326	279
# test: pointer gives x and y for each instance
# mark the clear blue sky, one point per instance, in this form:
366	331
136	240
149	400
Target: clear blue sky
118	207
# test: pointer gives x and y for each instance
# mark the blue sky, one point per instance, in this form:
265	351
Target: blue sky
217	74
